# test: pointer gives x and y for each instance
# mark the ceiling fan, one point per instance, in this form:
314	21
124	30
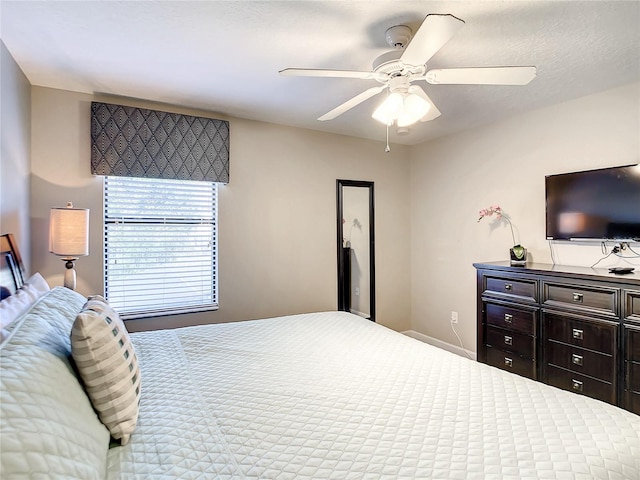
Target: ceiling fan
396	70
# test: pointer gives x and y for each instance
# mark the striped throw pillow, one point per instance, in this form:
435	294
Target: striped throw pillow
106	360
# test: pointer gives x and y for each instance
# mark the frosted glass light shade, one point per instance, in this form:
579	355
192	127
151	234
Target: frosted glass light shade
415	107
69	231
388	110
404	109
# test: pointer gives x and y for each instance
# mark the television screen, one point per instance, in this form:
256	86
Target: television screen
595	204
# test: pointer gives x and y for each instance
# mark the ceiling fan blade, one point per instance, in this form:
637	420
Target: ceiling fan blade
435	31
310	72
433	110
349	104
482	76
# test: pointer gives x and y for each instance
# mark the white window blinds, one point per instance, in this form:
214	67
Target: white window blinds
160	246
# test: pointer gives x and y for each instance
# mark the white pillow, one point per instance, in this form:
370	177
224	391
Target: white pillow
49	428
108	366
11	308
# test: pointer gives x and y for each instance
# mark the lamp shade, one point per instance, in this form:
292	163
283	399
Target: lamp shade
69	231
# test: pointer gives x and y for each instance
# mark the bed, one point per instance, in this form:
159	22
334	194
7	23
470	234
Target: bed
325	395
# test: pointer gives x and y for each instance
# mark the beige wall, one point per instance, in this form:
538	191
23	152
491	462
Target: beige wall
453	178
277	229
15	114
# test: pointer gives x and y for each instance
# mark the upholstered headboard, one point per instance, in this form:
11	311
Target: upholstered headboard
12	274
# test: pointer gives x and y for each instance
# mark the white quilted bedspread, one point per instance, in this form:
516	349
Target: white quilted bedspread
333	396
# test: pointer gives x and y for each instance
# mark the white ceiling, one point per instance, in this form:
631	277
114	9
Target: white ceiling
224	56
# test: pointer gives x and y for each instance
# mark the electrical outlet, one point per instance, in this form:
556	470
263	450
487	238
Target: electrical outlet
357	292
454	317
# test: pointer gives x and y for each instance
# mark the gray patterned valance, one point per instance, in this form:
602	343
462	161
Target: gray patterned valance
135	142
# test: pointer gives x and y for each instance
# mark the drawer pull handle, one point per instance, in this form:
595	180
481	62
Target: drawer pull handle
576	359
577	297
508	362
508	318
576	385
508	287
508	340
578	334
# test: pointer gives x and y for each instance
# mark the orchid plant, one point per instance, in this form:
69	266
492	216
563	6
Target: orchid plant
497	210
517	253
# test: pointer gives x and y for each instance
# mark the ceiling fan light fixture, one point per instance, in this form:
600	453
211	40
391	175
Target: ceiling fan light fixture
415	107
396	70
403	108
389	109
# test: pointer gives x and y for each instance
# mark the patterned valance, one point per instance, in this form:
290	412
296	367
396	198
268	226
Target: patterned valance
136	142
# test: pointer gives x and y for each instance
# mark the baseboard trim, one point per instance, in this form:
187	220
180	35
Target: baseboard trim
440	344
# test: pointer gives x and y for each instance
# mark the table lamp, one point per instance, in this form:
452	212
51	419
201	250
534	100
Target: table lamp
69	237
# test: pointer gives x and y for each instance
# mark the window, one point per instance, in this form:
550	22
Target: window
160	246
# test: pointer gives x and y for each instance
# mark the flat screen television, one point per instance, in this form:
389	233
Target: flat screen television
599	204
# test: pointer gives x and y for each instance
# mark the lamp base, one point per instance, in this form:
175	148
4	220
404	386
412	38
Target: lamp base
70	273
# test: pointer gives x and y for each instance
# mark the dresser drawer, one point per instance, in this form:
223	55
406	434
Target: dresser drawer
632	376
523	345
509	318
579	360
600	300
511	362
592	334
575	382
631	305
526	290
632	343
632	402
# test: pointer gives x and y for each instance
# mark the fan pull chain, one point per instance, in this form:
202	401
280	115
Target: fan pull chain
387	148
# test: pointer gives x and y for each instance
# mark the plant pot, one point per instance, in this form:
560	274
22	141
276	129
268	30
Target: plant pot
518	256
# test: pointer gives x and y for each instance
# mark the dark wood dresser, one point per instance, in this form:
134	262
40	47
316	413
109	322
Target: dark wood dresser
575	328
